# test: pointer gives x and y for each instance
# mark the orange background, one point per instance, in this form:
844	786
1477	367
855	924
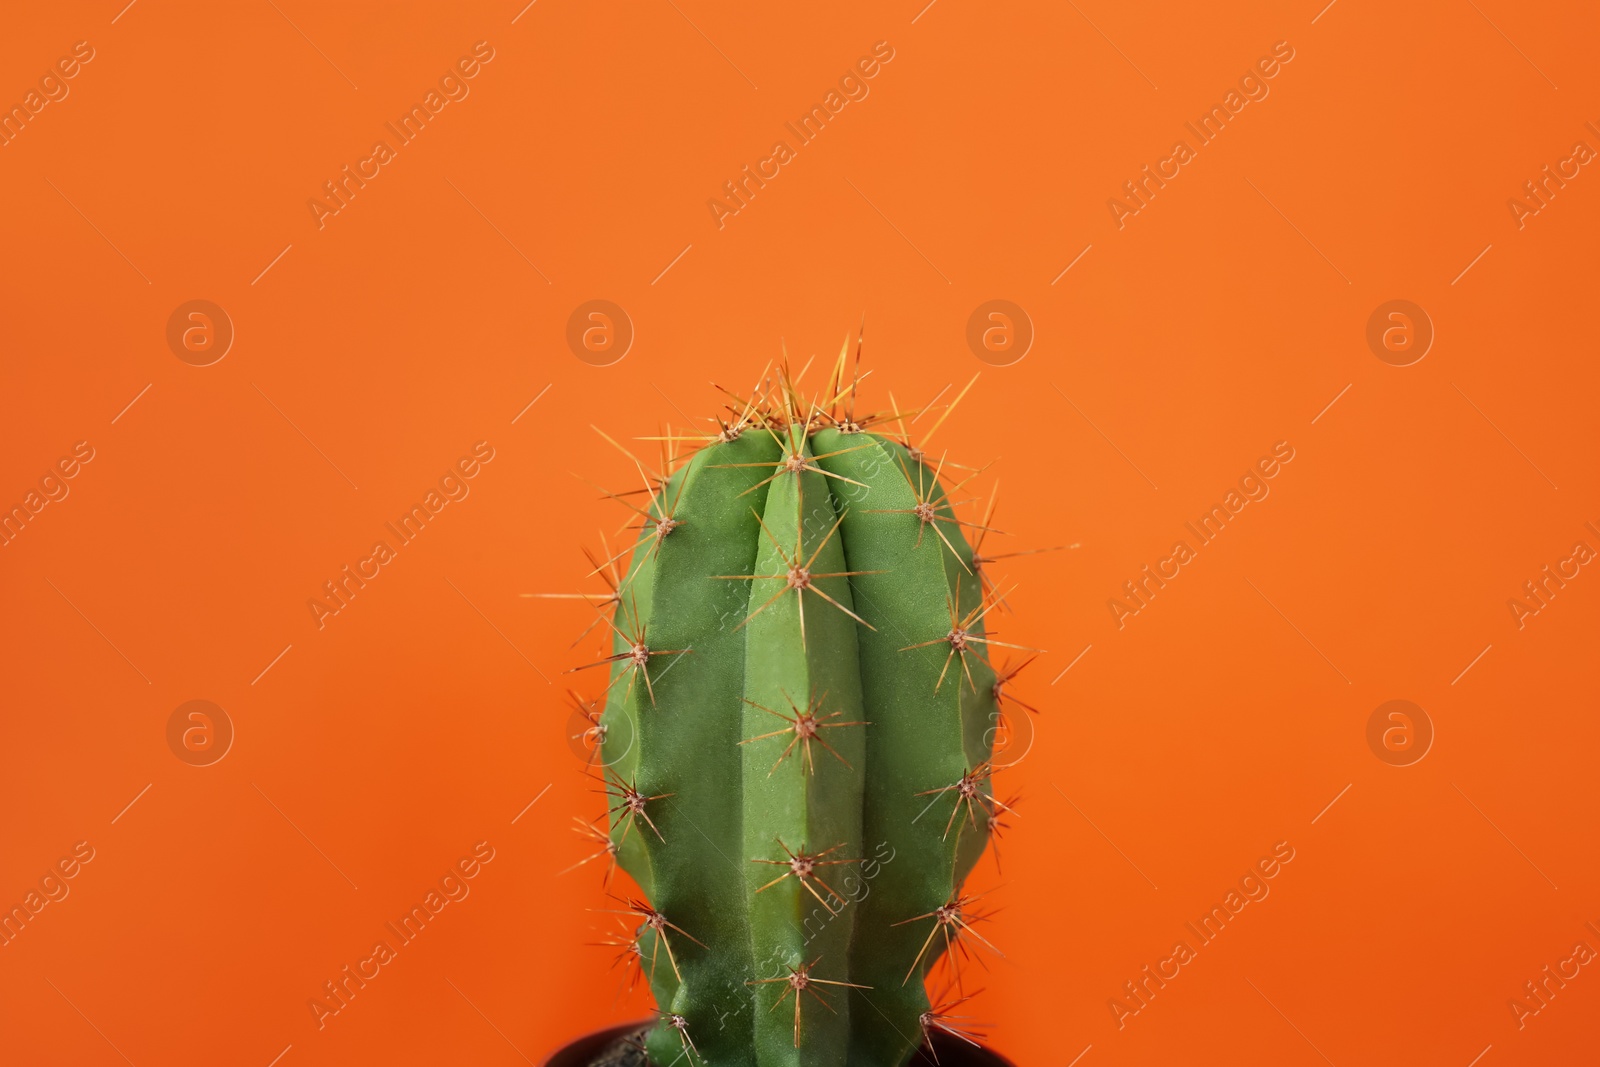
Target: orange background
425	716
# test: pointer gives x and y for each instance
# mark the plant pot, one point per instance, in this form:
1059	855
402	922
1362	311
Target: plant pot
946	1051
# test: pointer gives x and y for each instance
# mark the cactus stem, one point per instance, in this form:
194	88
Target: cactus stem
662	525
926	509
795	461
940	1018
954	922
803	866
969	791
631	804
660	518
659	925
636	658
805	726
683	737
798	981
961	639
608	848
681	1025
798	576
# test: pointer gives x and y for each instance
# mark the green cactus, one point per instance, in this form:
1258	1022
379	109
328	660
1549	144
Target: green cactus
797	735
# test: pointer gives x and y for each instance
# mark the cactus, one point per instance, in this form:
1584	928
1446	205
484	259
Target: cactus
796	737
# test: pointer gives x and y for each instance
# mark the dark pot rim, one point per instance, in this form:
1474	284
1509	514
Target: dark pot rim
951	1052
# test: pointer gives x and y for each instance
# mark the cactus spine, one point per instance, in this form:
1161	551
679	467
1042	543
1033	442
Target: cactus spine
797	732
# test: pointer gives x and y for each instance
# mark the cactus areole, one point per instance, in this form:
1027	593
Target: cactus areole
796	738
